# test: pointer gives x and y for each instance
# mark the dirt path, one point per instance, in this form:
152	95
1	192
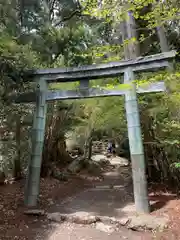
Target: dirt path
110	197
77	232
15	225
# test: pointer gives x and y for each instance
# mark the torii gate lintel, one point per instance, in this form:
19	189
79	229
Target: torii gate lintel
97	71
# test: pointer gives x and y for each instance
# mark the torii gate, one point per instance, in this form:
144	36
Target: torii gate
84	74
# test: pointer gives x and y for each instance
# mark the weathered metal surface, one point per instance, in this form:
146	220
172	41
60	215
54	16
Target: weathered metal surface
101	73
86	93
136	145
152	87
34	169
84	84
134	126
95	92
105	70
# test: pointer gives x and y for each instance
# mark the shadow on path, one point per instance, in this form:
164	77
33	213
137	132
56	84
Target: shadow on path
107	198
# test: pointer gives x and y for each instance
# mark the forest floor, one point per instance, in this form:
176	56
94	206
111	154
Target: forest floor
84	194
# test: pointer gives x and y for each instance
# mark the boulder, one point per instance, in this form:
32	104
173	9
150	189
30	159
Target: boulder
61	176
109	224
82	218
147	222
35	212
93	167
98	157
77	217
56	217
75	166
119	161
123	149
99	147
105	228
104	162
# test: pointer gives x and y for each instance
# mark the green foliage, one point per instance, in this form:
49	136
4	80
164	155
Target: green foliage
15	57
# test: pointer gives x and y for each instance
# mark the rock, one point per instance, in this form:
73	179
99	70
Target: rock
56	217
124	221
78	218
93	167
62	176
138	223
104	227
99	146
107	219
82	218
98	157
123	149
147	222
119	161
108	224
75	166
35	212
51	202
104	162
108	155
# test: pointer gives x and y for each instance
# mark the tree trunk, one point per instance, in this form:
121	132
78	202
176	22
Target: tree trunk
163	39
90	149
17	160
55	147
164	43
2	172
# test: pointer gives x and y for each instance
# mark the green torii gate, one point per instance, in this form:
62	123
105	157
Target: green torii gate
84	74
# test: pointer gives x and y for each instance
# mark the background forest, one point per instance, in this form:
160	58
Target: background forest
57	33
